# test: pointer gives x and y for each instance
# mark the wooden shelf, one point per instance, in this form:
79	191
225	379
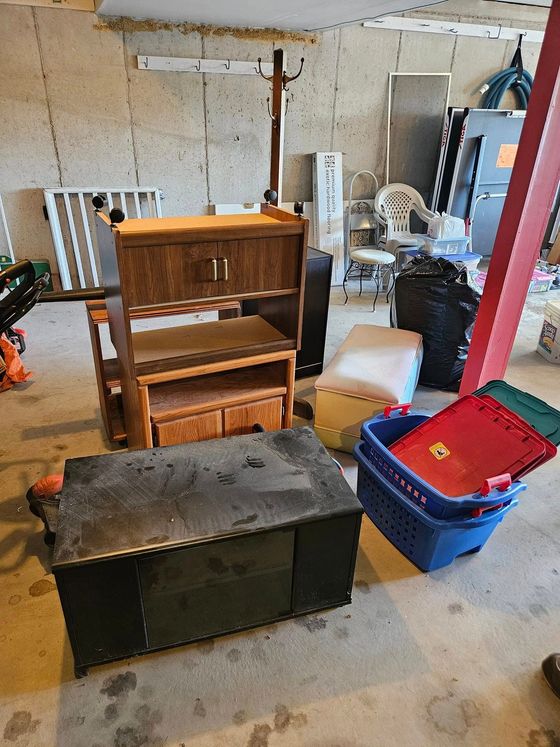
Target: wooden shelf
195	344
216	391
192	223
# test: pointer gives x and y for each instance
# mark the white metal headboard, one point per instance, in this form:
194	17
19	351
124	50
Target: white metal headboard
70	215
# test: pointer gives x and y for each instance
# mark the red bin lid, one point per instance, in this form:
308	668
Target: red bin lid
466	443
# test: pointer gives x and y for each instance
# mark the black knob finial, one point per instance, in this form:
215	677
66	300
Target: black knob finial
270	196
116	216
298	209
98	202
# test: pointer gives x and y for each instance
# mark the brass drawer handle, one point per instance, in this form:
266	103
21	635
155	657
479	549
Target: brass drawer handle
226	268
214	269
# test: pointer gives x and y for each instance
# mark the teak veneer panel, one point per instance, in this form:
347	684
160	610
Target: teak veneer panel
191	222
186	430
240	420
211	269
216	391
205	337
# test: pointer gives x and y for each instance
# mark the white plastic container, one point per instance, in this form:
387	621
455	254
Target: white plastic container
469	259
549	341
445	246
445	226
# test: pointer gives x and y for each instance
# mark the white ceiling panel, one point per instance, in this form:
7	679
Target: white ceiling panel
301	15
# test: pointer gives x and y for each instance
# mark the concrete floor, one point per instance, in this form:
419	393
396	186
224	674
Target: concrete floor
451	657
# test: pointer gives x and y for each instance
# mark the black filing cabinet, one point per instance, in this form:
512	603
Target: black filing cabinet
309	360
165	546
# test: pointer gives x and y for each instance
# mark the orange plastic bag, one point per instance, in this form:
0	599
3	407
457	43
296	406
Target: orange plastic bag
14	372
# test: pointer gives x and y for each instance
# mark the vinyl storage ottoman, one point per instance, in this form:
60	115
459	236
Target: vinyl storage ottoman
374	367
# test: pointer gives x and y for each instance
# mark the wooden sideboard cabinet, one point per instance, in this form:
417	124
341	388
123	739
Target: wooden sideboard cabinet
210	379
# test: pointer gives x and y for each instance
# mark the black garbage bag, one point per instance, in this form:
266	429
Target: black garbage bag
436	298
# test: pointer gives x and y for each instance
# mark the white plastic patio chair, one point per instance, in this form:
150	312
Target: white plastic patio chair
393	205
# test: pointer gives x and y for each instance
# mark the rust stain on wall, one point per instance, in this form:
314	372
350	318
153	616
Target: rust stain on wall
133	25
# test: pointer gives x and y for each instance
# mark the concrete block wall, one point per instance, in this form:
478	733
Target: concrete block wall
75	111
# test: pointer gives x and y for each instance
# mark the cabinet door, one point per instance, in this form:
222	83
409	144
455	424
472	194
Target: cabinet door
252	265
242	418
182	272
193	428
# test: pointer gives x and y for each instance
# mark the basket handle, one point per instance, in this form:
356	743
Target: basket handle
404	409
500	482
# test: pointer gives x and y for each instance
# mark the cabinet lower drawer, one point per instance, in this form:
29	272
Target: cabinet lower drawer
194	428
241	419
231	421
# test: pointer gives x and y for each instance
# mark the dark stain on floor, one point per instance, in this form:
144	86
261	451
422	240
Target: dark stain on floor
199	708
259	736
247	520
312	624
119	685
451	716
362	586
233	655
283	720
20	723
111	712
142	733
543	738
537	610
456	608
239	717
43	586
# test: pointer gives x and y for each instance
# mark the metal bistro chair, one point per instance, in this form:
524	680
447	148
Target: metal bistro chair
366	261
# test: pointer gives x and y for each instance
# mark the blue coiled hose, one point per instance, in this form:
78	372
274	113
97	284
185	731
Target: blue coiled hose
495	88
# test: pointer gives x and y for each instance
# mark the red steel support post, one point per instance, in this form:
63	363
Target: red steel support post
527	207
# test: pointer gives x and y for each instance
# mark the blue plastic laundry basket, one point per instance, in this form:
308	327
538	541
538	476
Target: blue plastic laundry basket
380	432
428	542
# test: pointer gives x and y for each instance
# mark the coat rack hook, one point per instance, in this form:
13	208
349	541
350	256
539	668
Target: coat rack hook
260	72
270	114
288	79
499	34
228	64
287	104
197	67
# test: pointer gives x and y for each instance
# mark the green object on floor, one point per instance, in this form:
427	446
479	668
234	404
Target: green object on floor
40	266
541	416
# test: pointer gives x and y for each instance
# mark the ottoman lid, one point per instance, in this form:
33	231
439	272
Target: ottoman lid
373	363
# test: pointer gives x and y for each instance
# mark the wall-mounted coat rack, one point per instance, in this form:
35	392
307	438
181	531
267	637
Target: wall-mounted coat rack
196	65
273	73
280	80
430	26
